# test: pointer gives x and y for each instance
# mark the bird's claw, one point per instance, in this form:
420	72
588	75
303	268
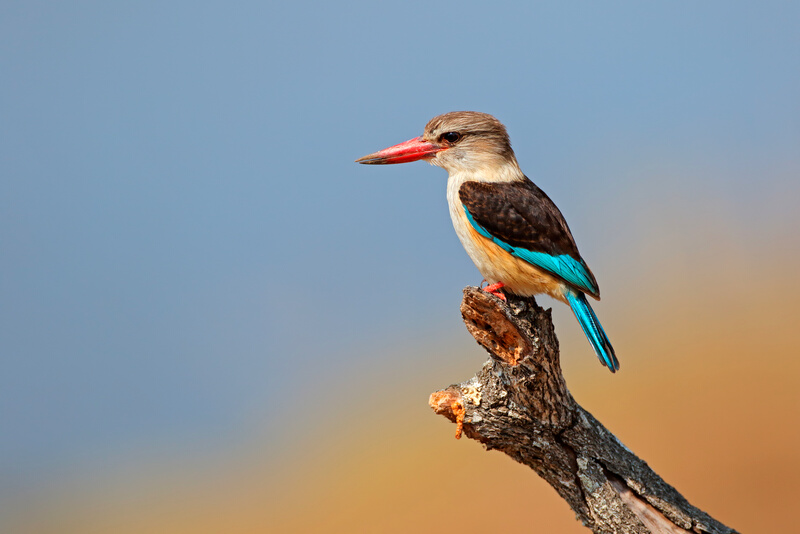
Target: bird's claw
494	289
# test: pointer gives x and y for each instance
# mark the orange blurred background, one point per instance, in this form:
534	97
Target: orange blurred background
708	395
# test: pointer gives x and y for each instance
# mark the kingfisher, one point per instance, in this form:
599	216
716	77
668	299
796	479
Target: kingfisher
512	231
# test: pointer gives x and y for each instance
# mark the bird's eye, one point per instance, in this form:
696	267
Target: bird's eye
450	137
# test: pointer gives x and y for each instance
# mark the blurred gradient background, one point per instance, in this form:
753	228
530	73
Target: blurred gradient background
212	320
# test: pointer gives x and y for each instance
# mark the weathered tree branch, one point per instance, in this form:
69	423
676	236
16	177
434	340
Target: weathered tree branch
519	404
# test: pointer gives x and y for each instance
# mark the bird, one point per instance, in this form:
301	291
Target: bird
512	231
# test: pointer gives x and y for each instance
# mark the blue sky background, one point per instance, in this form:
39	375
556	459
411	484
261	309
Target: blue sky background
185	239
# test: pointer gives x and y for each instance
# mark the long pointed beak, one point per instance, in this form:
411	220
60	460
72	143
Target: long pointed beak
411	150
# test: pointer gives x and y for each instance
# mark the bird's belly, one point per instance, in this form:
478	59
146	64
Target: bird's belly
497	265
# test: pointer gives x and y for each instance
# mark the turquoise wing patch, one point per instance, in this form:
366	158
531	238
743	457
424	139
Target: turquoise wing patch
564	266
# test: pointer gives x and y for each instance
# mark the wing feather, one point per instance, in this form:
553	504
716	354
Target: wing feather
521	218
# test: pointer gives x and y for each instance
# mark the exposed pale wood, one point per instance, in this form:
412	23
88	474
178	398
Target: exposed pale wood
518	403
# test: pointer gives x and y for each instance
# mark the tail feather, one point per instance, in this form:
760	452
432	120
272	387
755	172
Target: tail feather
593	330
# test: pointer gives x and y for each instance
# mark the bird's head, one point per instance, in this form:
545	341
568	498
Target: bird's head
459	141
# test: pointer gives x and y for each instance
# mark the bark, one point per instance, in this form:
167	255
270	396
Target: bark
518	403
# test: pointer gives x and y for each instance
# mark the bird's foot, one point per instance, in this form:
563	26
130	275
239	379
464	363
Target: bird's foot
494	289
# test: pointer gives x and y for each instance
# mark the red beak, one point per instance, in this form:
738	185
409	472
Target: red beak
411	150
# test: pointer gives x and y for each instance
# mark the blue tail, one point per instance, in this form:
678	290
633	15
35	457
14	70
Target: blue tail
593	330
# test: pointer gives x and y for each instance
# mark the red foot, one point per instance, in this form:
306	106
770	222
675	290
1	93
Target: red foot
494	289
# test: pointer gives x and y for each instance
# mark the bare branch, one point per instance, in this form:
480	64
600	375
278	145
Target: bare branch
518	403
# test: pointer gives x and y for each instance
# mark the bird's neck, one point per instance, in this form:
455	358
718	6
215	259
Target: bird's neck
502	171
